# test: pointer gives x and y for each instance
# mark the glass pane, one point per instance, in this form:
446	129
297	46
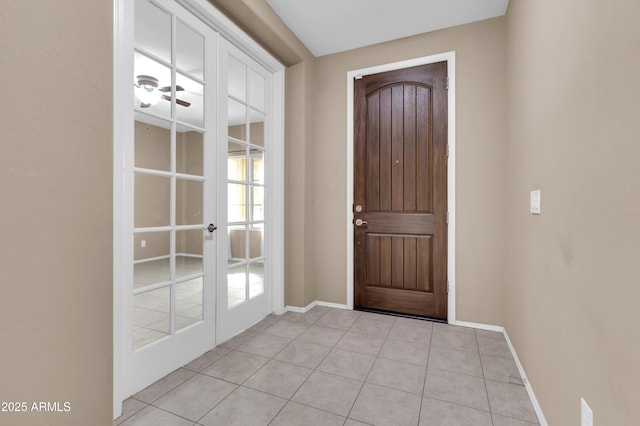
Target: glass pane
151	80
152	146
189	303
237	242
237	196
151	205
237	162
236	285
257	166
189	152
255	242
256	90
237	75
257	203
188	202
151	316
237	120
256	131
189	101
151	249
189	253
256	279
189	50
153	30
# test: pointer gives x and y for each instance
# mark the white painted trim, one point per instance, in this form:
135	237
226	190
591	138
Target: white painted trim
333	305
315	303
277	193
120	67
479	326
299	309
534	401
206	12
450	58
118	48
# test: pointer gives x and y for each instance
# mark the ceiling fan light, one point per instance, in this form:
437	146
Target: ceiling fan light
147	95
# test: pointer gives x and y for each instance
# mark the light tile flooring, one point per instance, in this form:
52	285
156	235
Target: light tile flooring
338	367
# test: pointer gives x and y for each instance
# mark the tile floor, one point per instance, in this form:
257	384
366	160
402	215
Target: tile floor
337	367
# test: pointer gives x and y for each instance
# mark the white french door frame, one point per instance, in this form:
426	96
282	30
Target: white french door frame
450	59
122	141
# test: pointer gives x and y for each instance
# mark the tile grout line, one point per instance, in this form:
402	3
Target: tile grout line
484	379
368	372
424	382
305	380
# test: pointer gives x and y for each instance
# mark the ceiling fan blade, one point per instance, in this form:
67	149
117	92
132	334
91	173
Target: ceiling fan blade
168	89
183	103
178	101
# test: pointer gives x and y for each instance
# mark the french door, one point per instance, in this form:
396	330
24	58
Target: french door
244	293
198	186
171	292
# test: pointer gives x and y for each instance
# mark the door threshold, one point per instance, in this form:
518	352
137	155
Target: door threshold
399	314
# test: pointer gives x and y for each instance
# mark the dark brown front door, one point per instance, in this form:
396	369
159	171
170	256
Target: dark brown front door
400	193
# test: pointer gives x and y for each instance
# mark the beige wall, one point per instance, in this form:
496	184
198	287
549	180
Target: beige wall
300	227
572	285
56	218
480	161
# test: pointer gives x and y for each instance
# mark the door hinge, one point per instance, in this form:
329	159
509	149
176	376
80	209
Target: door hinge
358	77
448	285
447	150
447	218
446	83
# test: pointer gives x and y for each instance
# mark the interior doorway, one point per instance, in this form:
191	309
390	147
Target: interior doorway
449	283
198	186
400	192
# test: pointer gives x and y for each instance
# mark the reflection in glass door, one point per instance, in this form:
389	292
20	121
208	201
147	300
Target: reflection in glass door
172	291
245	298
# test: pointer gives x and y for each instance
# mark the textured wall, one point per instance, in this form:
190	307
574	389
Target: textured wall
56	173
572	289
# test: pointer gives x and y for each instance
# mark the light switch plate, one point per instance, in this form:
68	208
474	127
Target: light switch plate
534	202
586	415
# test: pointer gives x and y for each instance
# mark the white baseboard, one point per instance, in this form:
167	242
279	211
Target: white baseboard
331	305
298	309
534	401
488	327
312	304
536	405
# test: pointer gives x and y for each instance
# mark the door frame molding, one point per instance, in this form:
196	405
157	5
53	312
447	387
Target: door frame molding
450	58
123	126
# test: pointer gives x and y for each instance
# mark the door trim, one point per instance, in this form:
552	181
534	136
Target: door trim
450	58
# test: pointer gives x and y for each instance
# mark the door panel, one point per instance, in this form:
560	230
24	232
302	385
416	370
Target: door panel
245	296
400	184
170	292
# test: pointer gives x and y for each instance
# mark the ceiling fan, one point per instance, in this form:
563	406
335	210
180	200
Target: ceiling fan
149	93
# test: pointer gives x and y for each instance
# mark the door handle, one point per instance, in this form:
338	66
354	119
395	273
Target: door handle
211	227
360	222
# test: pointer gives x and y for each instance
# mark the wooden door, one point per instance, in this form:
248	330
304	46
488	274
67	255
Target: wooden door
400	193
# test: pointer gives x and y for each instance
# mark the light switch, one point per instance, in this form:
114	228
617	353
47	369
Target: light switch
534	201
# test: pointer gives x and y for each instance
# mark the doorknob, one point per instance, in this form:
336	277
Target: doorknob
211	227
360	222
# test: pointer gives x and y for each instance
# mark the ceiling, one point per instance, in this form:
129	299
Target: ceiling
331	26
